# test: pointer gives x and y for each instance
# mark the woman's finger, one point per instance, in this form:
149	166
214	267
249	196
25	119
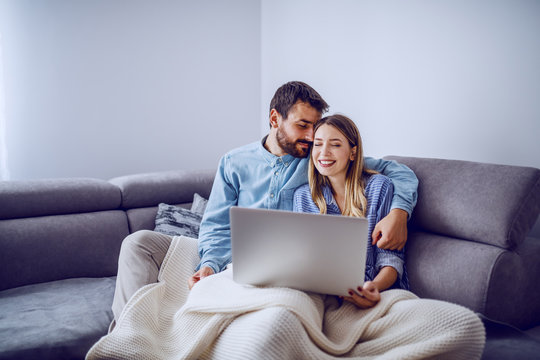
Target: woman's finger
359	300
369	292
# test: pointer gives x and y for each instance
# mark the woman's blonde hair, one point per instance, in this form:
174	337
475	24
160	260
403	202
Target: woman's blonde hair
355	199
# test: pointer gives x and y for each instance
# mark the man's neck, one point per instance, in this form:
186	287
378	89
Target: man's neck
272	145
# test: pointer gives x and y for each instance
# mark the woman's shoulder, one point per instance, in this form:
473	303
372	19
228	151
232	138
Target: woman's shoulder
378	186
302	201
302	190
378	180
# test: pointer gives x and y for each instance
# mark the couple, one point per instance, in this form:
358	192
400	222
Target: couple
221	318
265	175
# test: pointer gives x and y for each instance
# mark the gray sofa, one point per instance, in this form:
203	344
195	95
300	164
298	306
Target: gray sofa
60	239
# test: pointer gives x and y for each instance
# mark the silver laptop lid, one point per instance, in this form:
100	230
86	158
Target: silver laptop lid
310	252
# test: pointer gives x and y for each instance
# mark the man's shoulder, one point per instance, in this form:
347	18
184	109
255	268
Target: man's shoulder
244	149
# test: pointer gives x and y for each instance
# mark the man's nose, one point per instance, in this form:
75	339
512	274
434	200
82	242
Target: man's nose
309	135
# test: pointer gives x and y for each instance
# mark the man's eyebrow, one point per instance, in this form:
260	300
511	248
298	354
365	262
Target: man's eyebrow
305	121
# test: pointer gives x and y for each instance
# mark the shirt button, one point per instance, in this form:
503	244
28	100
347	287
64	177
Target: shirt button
272	195
286	164
276	173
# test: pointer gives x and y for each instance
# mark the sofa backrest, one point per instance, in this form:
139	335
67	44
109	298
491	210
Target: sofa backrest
59	228
487	203
142	193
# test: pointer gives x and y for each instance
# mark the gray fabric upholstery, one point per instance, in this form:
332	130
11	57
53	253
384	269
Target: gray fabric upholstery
467	237
56	196
514	293
64	236
174	187
505	342
493	204
434	274
55	320
142	218
58	247
487	279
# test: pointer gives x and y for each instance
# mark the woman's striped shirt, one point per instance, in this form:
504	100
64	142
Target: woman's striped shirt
379	191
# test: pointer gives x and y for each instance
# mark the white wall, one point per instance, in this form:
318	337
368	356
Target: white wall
455	79
105	88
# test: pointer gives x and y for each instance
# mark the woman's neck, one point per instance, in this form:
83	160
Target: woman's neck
338	190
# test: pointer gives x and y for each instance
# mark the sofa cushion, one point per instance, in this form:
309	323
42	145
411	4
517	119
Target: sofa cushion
176	221
199	204
57	247
56	196
145	218
55	320
172	187
489	203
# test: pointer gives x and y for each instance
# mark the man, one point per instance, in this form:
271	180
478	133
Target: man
262	175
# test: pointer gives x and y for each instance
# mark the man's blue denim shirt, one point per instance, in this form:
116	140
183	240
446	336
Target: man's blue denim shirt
250	176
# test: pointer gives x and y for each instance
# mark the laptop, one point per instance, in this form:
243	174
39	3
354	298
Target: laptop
312	252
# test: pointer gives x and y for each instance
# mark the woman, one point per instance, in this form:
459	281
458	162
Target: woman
339	184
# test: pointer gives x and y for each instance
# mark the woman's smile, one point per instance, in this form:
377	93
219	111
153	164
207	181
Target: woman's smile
326	163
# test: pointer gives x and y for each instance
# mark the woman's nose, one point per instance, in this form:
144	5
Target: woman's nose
325	149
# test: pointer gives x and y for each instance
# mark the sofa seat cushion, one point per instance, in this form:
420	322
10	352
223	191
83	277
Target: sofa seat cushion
55	320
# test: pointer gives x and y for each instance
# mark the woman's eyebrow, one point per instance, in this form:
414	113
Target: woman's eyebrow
321	139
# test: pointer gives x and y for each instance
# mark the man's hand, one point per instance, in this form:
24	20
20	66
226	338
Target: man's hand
199	275
391	232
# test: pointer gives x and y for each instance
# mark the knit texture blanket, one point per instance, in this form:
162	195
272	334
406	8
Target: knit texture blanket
220	319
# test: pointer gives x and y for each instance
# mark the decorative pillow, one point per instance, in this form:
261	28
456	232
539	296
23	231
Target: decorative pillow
199	204
175	221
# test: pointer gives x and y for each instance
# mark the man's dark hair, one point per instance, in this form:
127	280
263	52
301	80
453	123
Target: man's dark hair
288	94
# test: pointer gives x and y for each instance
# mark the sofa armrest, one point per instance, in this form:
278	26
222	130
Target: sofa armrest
487	203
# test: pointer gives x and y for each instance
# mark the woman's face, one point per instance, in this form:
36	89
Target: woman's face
331	152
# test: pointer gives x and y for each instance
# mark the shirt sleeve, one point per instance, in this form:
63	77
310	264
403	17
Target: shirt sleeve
380	192
403	178
215	230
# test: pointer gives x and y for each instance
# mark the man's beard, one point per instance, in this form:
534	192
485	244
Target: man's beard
290	147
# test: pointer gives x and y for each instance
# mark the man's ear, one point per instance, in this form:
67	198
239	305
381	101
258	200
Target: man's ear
353	153
274	118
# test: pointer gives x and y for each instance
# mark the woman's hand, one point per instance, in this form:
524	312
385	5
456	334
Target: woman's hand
364	297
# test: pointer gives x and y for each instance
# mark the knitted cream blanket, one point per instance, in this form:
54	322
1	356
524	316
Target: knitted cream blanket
220	319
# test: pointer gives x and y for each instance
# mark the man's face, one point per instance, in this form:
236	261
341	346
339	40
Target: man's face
295	134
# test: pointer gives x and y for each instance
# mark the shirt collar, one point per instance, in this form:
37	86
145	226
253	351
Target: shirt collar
328	196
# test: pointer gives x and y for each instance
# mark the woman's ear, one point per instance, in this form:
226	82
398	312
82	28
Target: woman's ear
353	153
